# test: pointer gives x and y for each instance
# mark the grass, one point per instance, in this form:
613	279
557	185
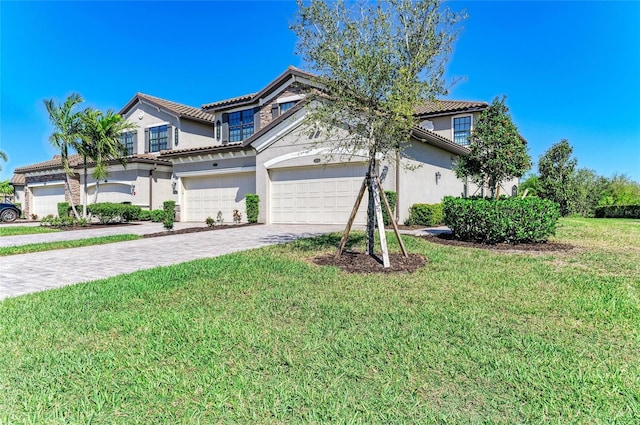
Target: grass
267	337
25	230
77	243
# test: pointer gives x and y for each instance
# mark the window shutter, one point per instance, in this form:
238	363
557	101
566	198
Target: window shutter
169	136
275	111
135	143
225	128
146	140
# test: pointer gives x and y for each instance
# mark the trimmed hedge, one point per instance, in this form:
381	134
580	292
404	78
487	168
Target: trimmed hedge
618	211
156	215
63	209
108	212
252	204
169	208
392	198
425	215
512	220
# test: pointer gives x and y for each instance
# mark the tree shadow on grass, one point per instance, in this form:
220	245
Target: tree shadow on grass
327	241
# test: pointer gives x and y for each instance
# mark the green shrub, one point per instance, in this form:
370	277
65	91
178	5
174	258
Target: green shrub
425	215
618	211
108	212
169	208
210	222
252	203
511	220
51	221
392	198
156	215
63	209
144	215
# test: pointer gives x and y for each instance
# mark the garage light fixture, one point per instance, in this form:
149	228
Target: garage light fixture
438	176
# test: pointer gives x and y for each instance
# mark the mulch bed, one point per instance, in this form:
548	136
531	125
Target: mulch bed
447	239
196	230
358	262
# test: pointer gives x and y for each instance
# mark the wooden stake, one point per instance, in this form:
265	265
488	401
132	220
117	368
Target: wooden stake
381	232
393	221
345	234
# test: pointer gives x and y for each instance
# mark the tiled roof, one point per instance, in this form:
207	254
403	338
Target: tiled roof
75	161
290	72
183	111
55	162
443	106
17	180
228	102
434	139
204	149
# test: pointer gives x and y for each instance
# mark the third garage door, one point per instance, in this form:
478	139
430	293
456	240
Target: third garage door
205	196
317	195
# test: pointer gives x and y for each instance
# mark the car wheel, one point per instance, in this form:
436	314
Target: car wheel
8	215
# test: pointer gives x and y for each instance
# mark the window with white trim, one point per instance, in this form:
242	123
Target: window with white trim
462	130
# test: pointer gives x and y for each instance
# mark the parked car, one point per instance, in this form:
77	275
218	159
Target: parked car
9	212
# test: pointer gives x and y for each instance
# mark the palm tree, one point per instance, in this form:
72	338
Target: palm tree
101	143
4	157
66	134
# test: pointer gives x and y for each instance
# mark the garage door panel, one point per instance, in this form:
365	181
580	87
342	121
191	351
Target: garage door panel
46	199
205	196
323	195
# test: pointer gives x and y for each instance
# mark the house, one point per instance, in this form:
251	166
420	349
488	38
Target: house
207	159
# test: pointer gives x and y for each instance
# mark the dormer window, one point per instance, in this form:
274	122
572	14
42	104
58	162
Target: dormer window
286	106
462	130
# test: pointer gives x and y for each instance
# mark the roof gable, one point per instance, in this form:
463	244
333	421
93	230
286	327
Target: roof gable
174	108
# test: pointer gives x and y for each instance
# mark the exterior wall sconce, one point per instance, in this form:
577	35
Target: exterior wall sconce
438	176
133	189
316	160
174	184
215	164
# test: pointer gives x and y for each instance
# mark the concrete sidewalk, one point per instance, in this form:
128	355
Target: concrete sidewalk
27	273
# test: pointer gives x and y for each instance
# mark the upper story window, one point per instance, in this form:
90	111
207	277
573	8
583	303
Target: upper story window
127	140
240	125
462	130
286	106
158	137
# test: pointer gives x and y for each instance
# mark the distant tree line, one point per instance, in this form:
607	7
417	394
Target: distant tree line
578	191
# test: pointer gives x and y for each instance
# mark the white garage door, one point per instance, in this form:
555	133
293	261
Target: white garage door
45	200
205	196
317	195
111	192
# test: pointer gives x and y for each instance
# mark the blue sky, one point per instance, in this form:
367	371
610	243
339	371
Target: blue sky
570	70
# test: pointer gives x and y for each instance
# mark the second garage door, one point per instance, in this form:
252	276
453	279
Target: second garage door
317	195
205	196
45	200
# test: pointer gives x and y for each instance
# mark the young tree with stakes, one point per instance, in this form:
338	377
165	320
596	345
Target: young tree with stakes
498	153
66	133
101	143
375	62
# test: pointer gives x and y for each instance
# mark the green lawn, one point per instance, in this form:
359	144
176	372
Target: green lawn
267	337
25	230
76	243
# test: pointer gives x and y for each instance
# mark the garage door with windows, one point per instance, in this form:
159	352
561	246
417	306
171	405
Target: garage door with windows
316	195
204	196
46	199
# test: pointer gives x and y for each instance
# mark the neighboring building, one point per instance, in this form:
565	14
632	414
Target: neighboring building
207	159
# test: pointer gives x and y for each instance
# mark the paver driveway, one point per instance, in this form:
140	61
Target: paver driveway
26	273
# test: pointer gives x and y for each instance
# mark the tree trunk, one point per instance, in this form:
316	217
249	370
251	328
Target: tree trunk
378	211
371	219
73	207
95	198
84	202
